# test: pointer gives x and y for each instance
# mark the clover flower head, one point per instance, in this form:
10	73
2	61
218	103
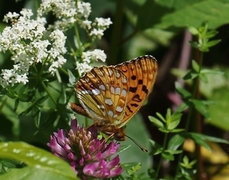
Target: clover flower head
87	155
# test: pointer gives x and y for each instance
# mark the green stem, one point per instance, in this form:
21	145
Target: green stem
46	89
192	109
116	33
161	157
78	38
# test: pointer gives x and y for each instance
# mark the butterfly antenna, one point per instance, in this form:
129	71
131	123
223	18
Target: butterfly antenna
141	147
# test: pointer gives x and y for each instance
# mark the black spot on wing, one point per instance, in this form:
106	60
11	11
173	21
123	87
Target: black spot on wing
136	98
133	77
133	89
140	81
129	109
144	89
134	104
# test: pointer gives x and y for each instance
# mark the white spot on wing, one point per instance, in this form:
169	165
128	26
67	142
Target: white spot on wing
124	80
117	75
110	113
110	72
101	107
119	109
95	91
117	90
115	116
112	90
123	93
108	102
102	87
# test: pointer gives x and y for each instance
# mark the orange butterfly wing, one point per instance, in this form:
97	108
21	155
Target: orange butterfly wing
111	95
141	73
103	94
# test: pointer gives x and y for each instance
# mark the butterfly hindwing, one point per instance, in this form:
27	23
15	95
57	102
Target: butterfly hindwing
103	94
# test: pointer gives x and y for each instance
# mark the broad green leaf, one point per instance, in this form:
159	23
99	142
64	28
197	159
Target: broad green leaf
154	14
28	173
39	162
219	110
137	131
195	14
175	142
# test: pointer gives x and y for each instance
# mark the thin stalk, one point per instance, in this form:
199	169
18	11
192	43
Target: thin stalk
192	109
161	158
46	89
78	38
116	32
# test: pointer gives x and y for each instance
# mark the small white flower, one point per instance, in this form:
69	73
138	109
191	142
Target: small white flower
97	32
10	17
86	24
95	55
84	9
83	68
103	22
21	78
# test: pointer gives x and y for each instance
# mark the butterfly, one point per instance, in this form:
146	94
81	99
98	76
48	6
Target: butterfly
112	95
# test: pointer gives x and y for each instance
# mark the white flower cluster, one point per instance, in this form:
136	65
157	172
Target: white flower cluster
31	40
95	28
29	43
88	57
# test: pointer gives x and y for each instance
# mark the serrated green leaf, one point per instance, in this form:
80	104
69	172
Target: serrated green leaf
195	14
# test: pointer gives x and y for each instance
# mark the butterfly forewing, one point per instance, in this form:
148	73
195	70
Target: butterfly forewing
103	94
141	73
111	95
